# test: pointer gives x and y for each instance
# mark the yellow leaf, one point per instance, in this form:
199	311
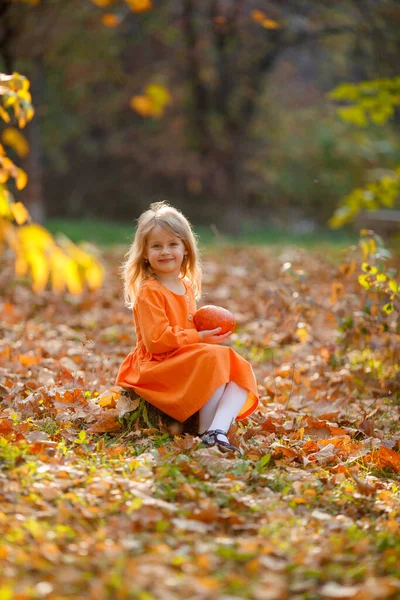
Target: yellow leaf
16	140
21	266
39	270
58	262
365	248
381	277
4	177
394	286
139	5
35	236
269	24
372	246
364	281
159	94
94	275
388	308
22	179
5	211
72	278
365	267
4	115
8	164
107	398
20	212
10	100
302	334
353	114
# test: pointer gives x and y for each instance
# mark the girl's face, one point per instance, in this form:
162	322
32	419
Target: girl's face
165	252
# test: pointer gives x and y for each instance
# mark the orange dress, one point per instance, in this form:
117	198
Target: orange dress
170	367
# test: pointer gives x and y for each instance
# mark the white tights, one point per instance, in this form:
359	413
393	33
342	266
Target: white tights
222	408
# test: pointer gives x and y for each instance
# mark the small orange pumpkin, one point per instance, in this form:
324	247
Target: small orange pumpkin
211	317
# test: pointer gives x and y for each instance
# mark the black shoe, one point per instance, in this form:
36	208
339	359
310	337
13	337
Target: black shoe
210	438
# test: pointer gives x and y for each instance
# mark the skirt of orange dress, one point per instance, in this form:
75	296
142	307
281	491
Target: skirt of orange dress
183	381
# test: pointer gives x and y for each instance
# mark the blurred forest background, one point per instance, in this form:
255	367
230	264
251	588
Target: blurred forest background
218	106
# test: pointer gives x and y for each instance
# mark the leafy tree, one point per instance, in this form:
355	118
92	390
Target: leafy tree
369	101
195	76
36	252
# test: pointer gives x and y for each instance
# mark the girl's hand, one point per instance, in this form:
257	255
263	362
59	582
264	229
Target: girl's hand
210	336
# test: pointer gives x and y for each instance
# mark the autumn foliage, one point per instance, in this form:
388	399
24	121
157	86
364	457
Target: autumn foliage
97	503
60	263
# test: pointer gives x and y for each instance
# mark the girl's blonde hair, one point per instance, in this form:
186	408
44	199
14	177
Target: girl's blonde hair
136	268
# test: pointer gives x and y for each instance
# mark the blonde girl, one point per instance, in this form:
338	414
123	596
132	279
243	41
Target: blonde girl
174	367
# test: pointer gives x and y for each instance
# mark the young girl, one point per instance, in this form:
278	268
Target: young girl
175	367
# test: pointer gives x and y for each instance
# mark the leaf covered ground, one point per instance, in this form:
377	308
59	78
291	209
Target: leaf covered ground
91	508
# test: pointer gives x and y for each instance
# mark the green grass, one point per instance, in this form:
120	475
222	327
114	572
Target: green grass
107	233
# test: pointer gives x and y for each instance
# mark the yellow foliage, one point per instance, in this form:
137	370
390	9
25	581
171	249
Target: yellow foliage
21	180
36	251
38	254
138	6
14	94
16	140
5	203
9	169
259	17
39	269
4	115
153	102
394	286
302	334
19	212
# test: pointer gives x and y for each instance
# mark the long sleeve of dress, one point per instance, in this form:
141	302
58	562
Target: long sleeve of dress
157	333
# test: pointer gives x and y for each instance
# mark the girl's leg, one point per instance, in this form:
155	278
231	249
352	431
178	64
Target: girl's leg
228	408
207	412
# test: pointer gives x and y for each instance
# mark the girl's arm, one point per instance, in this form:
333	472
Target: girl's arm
157	333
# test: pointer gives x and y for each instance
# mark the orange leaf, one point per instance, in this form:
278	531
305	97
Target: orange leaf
337	291
143	105
107	423
258	16
138	6
6	425
107	398
310	446
285	451
28	360
110	20
348	268
385	457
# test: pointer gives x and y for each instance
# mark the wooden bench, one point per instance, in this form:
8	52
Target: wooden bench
384	222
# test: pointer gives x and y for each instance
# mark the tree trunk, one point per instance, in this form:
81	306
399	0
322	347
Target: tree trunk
33	194
6	36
